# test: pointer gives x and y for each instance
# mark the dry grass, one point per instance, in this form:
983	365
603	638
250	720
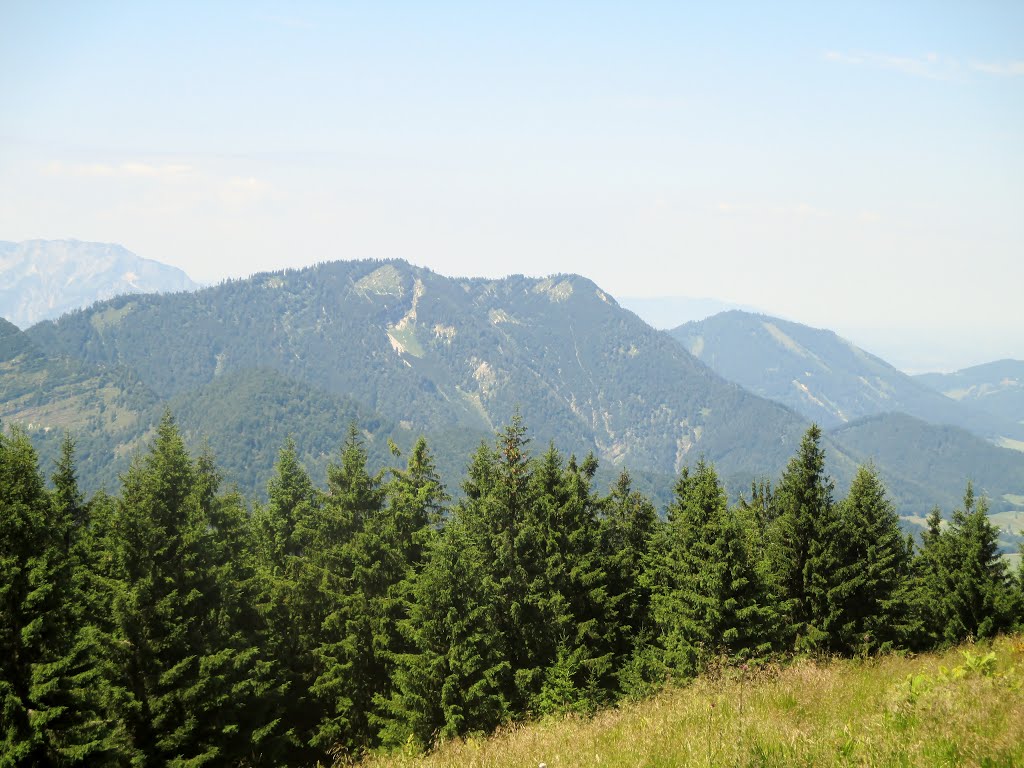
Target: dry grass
931	710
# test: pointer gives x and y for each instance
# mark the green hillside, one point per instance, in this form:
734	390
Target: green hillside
106	407
434	354
405	352
908	450
935	709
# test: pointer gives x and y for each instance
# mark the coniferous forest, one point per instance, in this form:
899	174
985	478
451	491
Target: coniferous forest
177	623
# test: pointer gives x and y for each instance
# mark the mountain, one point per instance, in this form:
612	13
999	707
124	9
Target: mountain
244	417
664	312
106	407
43	279
822	376
403	351
434	354
997	388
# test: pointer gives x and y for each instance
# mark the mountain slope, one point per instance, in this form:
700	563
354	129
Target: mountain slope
43	279
106	407
406	352
821	375
433	353
925	464
996	387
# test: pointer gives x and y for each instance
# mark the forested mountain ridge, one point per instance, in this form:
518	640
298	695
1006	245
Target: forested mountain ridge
403	352
106	407
822	376
432	353
42	279
243	416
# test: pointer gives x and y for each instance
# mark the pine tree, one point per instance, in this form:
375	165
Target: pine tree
50	690
575	646
350	556
416	506
179	666
293	603
930	570
979	599
245	688
453	680
805	543
707	597
628	525
500	494
870	600
964	588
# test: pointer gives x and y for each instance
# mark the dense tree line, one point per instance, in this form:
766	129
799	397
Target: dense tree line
176	625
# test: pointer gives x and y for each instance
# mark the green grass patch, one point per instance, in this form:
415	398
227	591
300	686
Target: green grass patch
962	707
109	317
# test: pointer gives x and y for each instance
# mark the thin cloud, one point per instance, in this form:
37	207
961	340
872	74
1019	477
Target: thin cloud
121	170
930	65
233	191
1013	68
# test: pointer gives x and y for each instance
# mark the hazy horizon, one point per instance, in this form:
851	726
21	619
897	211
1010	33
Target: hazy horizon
859	168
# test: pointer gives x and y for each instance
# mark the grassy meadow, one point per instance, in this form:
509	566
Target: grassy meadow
961	707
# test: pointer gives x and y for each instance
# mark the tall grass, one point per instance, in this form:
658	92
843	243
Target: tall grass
962	707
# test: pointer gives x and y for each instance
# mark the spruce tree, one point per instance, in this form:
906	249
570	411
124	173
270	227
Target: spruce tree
575	646
628	524
350	557
245	687
805	543
500	495
293	603
980	597
707	596
964	588
931	571
181	669
454	678
416	506
50	690
870	600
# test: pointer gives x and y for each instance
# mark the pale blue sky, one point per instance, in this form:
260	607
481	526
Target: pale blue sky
857	166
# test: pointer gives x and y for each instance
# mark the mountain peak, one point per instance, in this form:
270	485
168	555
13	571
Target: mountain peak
43	279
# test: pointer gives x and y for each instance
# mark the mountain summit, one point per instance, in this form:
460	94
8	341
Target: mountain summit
43	279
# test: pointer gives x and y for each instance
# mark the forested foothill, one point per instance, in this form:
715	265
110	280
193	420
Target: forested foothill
179	623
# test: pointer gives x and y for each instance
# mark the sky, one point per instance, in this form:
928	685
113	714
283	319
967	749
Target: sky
857	166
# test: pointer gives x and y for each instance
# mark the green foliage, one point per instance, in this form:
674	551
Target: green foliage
49	696
964	588
169	626
707	598
628	524
454	679
189	683
805	543
870	601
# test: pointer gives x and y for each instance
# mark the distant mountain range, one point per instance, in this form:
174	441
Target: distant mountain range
43	279
828	379
404	351
997	388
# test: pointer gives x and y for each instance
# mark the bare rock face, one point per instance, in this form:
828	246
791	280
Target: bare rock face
43	279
